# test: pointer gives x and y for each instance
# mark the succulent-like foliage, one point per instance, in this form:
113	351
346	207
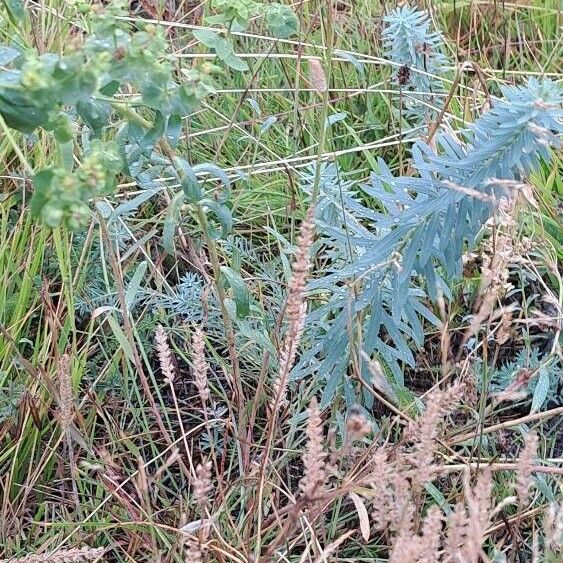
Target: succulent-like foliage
411	44
391	259
76	95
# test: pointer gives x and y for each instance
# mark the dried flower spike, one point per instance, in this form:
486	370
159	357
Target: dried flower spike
425	430
431	530
456	536
63	556
317	75
295	310
479	505
314	471
202	484
553	525
357	426
200	364
164	354
524	470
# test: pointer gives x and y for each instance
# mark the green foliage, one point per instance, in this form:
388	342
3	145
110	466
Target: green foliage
62	195
78	97
10	398
235	14
106	80
281	20
120	480
223	48
15	9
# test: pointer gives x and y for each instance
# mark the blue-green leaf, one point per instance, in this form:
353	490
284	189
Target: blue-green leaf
335	118
222	214
15	9
7	55
541	391
267	123
191	189
135	284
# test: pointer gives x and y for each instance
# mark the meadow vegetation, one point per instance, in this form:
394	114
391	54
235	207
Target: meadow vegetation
281	282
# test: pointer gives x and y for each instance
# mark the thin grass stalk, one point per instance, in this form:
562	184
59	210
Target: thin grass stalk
128	329
329	41
66	416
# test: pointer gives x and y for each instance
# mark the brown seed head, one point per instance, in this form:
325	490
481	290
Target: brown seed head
317	75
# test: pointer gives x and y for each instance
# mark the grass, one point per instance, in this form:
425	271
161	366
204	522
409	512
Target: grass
121	473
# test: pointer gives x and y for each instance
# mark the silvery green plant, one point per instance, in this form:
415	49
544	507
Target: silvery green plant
395	256
417	53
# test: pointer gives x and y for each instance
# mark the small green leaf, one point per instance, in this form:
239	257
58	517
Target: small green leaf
260	337
352	59
214	170
267	123
191	189
234	13
330	388
542	485
15	9
437	495
171	221
67	155
541	391
62	129
110	88
240	291
42	183
154	134
21	112
206	37
95	113
134	203
281	20
335	118
225	51
121	338
7	55
222	214
173	129
74	82
223	47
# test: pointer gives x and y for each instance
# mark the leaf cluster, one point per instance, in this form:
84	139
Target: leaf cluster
79	96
